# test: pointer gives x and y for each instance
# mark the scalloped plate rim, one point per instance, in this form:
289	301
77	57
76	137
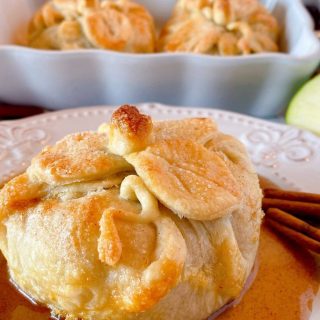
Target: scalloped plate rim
53	113
157	108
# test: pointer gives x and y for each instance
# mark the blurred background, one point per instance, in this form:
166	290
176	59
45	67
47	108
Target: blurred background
10	110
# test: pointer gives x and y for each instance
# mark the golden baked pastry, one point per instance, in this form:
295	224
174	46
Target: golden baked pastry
222	27
140	220
120	25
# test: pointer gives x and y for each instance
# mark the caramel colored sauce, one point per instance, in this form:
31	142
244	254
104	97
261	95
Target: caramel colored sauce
286	283
284	288
13	305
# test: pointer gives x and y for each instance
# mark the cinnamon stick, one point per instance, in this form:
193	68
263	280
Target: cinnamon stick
303	209
291	195
295	236
293	222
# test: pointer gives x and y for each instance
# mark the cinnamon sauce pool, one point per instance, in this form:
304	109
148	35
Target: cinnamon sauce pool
284	289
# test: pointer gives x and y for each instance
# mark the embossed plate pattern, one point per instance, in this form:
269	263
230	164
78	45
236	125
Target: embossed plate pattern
288	156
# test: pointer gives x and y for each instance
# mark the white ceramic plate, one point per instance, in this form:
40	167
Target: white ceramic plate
260	84
288	156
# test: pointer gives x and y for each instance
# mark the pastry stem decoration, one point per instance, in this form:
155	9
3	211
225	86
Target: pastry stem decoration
129	131
139	220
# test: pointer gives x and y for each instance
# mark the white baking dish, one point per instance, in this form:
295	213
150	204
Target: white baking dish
260	85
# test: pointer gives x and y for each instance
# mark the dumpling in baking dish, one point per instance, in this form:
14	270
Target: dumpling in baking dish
139	220
220	27
119	25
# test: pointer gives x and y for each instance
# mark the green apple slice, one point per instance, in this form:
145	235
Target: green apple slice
304	108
